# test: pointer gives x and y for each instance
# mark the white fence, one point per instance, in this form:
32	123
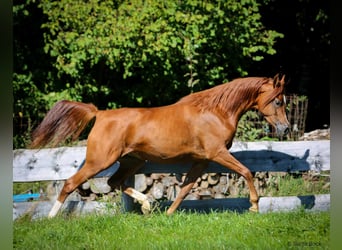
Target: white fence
61	163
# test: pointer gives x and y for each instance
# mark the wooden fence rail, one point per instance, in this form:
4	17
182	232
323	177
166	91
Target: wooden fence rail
61	163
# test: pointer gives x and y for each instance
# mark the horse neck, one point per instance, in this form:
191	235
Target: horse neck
237	98
244	106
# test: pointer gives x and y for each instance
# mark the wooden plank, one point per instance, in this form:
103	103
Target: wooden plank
51	164
310	202
266	204
41	209
61	163
46	164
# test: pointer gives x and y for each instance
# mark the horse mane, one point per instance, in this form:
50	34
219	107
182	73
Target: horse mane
229	96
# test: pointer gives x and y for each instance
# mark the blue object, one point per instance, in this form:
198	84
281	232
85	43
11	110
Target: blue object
26	197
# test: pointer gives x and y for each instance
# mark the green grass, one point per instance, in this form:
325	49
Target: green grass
216	230
226	230
297	185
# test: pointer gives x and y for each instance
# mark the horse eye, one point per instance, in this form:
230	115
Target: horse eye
277	102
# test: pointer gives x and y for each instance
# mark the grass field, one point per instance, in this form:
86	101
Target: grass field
225	230
216	230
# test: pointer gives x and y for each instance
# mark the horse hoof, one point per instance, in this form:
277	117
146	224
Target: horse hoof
168	212
146	207
253	209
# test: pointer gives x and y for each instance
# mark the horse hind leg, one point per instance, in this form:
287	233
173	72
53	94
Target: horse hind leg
140	197
128	167
86	172
89	169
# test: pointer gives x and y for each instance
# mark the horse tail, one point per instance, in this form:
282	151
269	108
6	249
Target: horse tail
65	119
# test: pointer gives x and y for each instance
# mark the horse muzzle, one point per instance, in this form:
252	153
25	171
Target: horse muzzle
282	129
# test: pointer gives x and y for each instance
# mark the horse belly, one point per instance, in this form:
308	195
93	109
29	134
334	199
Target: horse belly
164	148
162	158
165	142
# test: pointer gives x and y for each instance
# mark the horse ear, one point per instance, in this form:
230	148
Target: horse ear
278	80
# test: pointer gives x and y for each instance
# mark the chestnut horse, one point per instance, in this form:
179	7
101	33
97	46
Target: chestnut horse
198	128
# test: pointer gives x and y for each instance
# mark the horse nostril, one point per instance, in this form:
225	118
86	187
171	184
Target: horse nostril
286	131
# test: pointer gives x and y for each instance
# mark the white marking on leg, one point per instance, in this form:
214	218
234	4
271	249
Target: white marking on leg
141	198
54	210
137	195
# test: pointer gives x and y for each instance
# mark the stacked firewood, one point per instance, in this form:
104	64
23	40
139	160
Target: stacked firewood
167	186
318	134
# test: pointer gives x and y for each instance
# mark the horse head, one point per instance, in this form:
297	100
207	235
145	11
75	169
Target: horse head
271	102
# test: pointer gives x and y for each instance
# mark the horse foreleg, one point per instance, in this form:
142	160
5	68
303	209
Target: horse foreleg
226	159
191	177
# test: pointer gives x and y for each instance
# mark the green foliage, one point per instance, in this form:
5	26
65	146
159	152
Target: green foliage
247	130
156	44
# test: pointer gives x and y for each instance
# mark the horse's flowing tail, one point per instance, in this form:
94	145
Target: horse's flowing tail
65	119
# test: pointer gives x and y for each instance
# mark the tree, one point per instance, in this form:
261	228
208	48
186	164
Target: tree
150	51
31	72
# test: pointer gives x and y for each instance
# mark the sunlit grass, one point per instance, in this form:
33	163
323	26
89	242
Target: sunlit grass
225	230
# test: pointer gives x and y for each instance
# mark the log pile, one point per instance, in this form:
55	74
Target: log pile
159	187
166	186
318	134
